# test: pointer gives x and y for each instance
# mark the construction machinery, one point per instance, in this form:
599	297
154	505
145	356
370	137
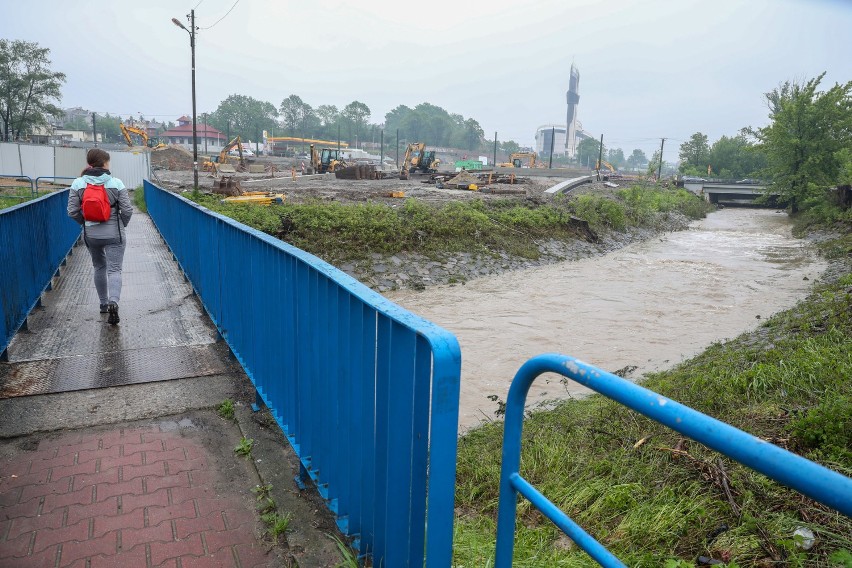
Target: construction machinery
126	131
605	164
517	159
418	159
219	164
326	161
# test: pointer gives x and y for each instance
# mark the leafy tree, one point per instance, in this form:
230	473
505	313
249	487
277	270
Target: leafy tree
474	134
695	151
735	157
615	156
79	123
587	152
637	159
27	87
246	116
510	147
297	115
108	126
807	140
654	164
356	114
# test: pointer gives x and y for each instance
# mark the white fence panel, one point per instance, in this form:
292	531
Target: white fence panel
10	162
69	162
36	160
129	167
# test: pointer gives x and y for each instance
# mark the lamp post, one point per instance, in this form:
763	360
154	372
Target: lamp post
191	33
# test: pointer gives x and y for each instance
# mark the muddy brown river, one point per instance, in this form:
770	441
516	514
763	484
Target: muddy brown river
650	304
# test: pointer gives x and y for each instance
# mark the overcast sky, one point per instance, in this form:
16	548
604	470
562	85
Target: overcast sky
648	69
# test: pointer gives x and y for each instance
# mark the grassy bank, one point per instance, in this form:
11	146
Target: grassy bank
338	232
663	502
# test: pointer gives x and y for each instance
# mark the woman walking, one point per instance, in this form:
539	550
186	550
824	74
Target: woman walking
101	204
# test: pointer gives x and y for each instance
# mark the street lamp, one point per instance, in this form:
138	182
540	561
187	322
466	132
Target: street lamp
191	33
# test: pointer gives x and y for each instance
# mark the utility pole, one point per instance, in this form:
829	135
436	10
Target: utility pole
552	144
382	151
600	157
228	132
94	130
205	132
256	141
338	140
494	164
397	148
194	125
660	167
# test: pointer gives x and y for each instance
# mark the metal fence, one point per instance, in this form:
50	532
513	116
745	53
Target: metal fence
819	483
35	238
366	392
37	161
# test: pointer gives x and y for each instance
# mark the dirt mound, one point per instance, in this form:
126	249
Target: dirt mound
172	158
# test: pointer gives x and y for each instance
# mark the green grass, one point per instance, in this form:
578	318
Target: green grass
139	199
338	232
787	382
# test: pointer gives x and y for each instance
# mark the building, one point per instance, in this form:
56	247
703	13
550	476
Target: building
181	135
573	100
550	136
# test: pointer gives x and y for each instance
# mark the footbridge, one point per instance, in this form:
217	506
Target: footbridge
365	392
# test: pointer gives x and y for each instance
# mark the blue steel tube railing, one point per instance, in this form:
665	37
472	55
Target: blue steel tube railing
366	392
35	238
815	481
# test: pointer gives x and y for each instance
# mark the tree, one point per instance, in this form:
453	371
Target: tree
108	126
356	114
695	152
615	156
244	116
735	157
474	135
27	87
295	114
654	164
510	147
806	141
637	159
587	152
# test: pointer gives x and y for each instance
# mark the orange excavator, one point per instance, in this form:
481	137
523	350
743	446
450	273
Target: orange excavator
126	131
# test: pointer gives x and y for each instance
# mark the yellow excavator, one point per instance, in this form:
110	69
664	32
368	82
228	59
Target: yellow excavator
326	161
606	164
219	163
517	160
418	159
126	131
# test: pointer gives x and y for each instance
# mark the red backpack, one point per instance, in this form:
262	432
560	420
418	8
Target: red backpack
95	206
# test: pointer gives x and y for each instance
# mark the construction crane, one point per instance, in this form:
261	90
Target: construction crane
417	159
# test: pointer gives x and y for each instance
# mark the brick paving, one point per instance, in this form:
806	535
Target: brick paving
124	498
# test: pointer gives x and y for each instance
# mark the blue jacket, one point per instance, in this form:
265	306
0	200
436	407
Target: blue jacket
106	230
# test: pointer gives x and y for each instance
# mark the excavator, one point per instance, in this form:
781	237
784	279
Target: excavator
219	164
517	160
417	159
326	161
126	131
606	164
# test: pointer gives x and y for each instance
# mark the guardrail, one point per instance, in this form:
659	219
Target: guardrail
35	238
36	180
819	483
17	177
366	392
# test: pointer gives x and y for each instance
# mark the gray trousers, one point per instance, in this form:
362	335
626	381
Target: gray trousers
107	258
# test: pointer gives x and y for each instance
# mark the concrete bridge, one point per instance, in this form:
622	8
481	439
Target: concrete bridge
729	192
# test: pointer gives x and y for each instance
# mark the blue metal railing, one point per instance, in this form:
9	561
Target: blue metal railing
35	238
366	392
815	481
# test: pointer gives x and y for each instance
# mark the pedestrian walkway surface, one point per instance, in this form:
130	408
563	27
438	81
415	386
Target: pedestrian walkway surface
164	333
131	497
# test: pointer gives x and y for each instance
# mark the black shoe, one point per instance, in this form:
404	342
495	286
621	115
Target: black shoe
112	307
104	308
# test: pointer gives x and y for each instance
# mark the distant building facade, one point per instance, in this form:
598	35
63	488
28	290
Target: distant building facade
181	135
550	136
573	100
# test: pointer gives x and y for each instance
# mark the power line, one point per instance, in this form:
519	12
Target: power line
199	4
223	17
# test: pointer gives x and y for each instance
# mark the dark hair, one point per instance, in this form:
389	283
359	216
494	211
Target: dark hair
97	158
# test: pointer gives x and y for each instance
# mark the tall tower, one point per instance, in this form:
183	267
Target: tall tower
573	97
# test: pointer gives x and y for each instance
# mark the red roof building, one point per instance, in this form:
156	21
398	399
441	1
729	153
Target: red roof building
182	134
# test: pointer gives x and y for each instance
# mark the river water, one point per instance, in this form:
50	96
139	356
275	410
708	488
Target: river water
650	304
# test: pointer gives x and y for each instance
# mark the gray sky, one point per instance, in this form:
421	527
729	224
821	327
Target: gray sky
648	68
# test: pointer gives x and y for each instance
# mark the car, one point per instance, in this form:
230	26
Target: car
246	153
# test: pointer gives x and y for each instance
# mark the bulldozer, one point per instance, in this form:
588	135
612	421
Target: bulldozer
219	164
126	131
326	161
418	159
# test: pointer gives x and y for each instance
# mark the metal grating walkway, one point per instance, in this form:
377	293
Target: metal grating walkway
164	333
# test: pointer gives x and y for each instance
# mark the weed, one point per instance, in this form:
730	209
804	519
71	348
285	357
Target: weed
266	505
226	409
139	199
262	491
276	524
350	559
244	447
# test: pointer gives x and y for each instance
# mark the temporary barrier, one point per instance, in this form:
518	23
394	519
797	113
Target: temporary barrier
35	238
366	392
819	483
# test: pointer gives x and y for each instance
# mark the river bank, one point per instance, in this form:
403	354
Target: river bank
657	499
